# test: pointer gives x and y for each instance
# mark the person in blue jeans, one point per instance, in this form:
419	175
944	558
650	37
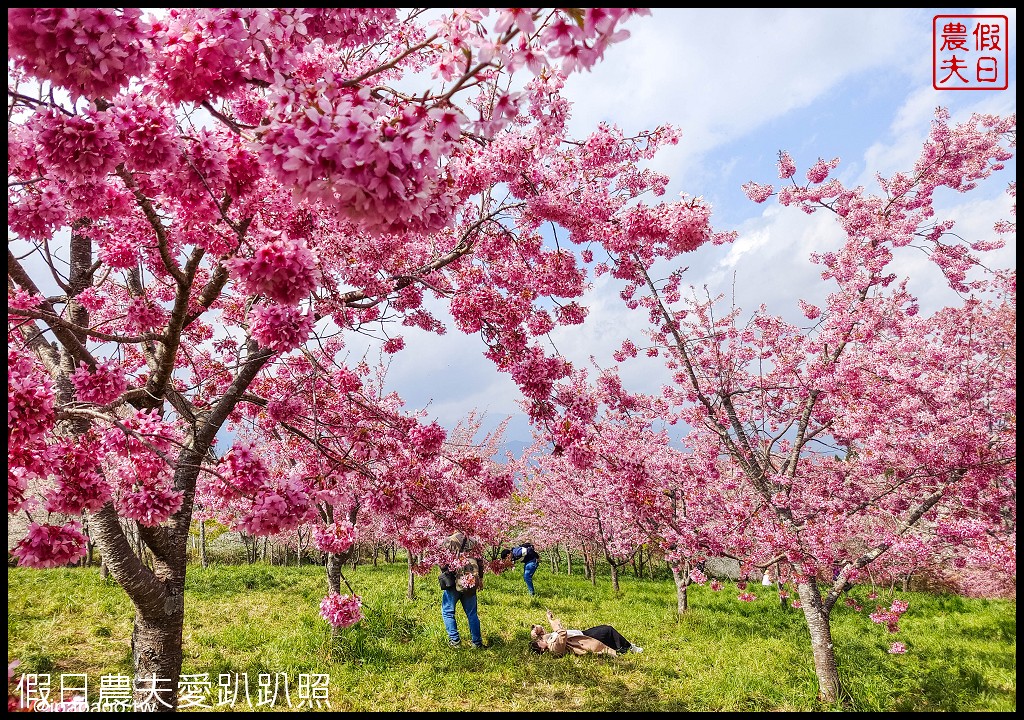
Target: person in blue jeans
530	558
468	579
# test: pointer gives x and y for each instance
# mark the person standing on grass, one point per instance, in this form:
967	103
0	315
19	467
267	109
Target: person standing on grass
599	640
530	558
468	572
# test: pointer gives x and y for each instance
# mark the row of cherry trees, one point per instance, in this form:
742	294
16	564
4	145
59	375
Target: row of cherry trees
870	436
205	207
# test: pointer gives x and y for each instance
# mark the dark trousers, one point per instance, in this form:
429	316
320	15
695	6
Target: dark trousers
610	637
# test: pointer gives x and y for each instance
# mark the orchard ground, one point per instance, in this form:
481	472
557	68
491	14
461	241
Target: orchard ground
724	654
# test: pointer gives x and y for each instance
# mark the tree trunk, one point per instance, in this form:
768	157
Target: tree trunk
159	599
250	547
588	564
156	652
568	560
334	563
783	602
818	623
615	574
682	581
202	543
410	588
90	544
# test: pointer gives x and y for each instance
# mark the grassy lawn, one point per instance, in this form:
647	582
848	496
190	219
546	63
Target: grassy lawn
724	655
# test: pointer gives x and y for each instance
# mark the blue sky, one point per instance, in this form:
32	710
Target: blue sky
742	84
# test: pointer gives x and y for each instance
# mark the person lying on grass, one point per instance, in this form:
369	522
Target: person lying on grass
600	640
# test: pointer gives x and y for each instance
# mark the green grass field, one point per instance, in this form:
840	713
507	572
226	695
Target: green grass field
724	655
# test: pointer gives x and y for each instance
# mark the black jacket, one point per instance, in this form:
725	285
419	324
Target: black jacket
526	553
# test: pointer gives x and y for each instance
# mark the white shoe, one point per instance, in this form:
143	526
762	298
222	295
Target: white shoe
636	648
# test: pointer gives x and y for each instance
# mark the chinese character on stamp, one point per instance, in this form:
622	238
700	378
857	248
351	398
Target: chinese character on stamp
970	52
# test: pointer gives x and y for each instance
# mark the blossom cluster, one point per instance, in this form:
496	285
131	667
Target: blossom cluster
282	268
89	51
144	316
286	408
145	130
341	611
498	485
244	472
891	617
48	546
36	212
104	385
427	439
335	538
137	455
80	147
345	149
280	327
30	399
279	506
79	483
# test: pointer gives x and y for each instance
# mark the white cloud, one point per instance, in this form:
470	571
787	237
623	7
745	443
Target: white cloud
718	75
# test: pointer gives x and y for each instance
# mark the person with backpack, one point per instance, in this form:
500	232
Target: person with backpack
460	583
530	558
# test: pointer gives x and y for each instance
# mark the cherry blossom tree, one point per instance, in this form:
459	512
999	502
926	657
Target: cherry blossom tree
622	484
875	418
191	195
355	457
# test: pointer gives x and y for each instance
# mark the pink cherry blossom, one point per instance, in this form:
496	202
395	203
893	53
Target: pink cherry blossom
102	385
820	170
335	538
282	268
80	147
89	51
47	546
36	212
787	168
144	316
341	611
758	193
393	345
79	483
280	327
145	131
